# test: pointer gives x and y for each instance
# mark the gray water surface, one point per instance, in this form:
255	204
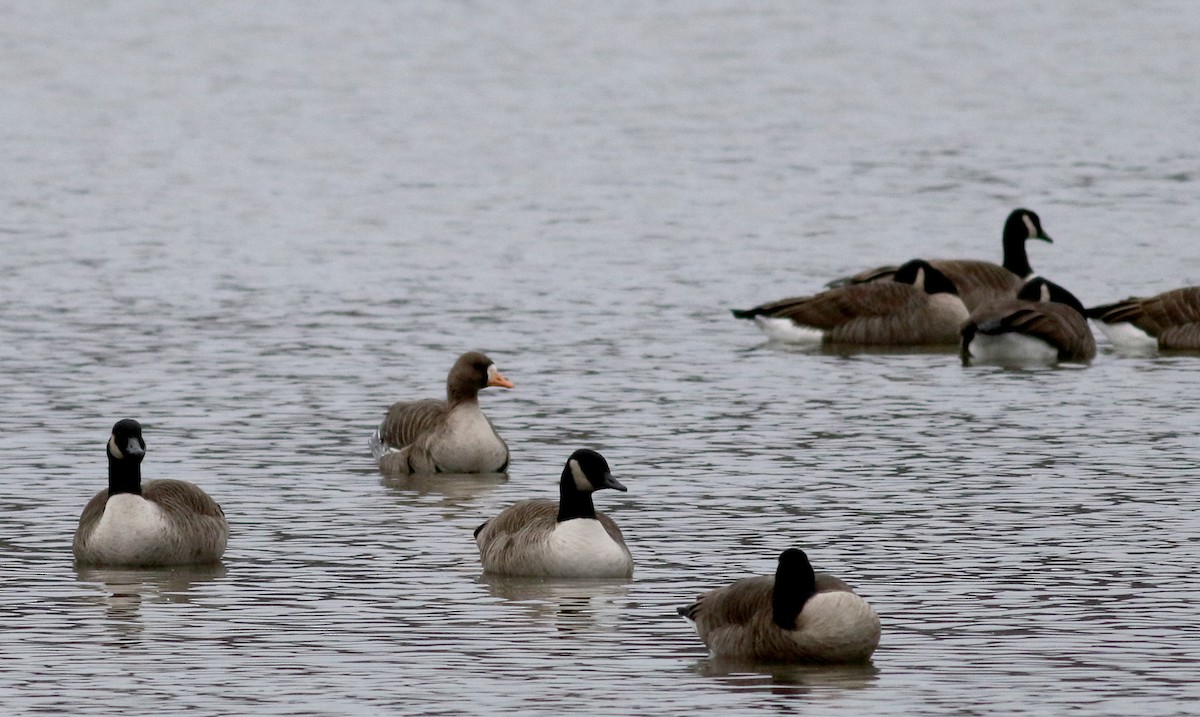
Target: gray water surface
252	226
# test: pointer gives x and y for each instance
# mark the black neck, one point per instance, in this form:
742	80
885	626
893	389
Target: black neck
792	589
1015	258
124	476
572	502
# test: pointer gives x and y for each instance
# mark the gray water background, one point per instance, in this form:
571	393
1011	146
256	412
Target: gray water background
252	226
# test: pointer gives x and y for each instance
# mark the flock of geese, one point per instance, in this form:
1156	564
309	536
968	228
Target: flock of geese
797	615
994	313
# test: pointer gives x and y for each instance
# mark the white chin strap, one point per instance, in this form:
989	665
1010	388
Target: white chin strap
581	481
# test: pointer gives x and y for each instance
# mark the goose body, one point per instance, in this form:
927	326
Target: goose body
1170	320
918	306
451	436
563	539
161	523
1043	325
796	615
980	282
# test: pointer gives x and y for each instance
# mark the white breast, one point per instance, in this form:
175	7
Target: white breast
1012	349
582	548
131	531
468	444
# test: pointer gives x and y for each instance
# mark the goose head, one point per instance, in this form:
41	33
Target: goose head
126	449
795	583
585	473
472	372
924	276
1041	290
126	444
1021	226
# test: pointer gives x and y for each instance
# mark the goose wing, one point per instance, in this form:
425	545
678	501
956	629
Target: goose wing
979	282
92	512
177	496
406	421
833	308
734	604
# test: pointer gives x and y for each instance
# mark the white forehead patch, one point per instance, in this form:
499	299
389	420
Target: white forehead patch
112	448
1029	225
493	372
581	481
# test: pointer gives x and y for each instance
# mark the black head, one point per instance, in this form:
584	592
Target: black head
126	442
1038	289
1023	224
587	472
923	275
795	583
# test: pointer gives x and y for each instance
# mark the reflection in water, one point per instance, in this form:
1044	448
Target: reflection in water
125	589
454	486
785	678
572	606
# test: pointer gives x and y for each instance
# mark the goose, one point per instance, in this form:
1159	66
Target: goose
164	522
451	436
564	539
1045	323
979	282
795	616
1170	320
919	307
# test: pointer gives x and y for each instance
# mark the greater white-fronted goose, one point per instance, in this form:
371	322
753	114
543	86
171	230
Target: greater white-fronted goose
979	282
567	538
164	522
451	436
795	616
919	306
1170	320
1044	324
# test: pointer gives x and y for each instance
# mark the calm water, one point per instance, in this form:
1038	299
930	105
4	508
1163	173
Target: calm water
253	226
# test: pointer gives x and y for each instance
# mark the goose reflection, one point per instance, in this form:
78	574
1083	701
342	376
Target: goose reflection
572	606
455	488
123	590
786	678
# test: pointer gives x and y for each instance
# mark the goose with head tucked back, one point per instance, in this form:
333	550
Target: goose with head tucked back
797	615
564	539
1044	324
164	522
451	436
1170	320
979	282
919	306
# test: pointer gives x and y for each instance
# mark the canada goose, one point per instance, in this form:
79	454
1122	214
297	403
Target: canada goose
919	307
979	282
165	522
795	616
451	436
567	539
1043	324
1170	320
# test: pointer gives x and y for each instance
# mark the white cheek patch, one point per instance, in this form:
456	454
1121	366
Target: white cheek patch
1029	225
920	280
1045	294
112	448
581	481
